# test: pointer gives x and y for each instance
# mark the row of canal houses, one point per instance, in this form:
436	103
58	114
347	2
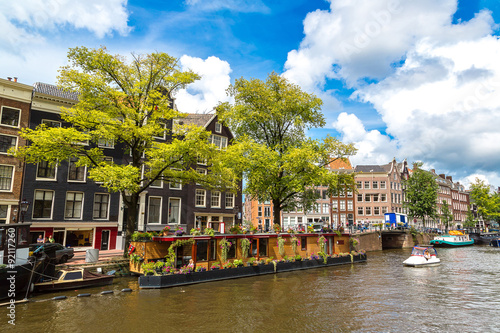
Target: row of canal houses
62	202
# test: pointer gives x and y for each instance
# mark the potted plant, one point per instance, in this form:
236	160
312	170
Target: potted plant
227	265
281	246
237	262
298	258
235	229
159	266
322	243
166	231
245	246
179	231
250	261
295	243
195	231
253	229
215	266
200	269
225	245
310	229
209	232
277	228
148	268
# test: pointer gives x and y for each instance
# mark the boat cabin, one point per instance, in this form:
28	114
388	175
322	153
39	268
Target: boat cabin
423	251
14	243
205	250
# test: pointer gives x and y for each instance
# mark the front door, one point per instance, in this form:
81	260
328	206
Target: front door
104	240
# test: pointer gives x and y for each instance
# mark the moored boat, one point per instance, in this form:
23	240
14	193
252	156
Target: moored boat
422	255
74	278
453	239
495	242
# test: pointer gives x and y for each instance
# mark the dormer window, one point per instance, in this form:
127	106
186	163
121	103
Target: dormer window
218	127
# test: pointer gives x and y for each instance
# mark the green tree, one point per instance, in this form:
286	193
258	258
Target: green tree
279	163
128	103
487	203
421	194
469	222
446	215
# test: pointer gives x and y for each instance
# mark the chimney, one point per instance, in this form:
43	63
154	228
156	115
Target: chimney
9	78
449	178
433	170
15	79
442	175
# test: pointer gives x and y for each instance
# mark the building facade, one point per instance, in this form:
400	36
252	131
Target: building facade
15	101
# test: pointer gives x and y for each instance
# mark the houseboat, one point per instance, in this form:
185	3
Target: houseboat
171	260
453	239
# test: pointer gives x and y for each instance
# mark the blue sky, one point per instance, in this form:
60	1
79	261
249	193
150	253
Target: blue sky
399	78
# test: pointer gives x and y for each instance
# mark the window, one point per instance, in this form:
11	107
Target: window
367	184
74	203
219	141
6	176
218	127
7	142
259	211
342	205
106	143
382	184
154	210
360	210
325	208
367	197
349	194
51	123
349	205
162	130
200	198
175	185
10	116
376	210
231	254
359	184
334	205
384	210
174	212
101	204
76	173
42	207
263	247
44	170
360	197
229	200
267	211
375	197
383	197
213	249
3	216
202	172
375	184
368	210
201	250
215	199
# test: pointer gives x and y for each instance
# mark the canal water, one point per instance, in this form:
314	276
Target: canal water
460	295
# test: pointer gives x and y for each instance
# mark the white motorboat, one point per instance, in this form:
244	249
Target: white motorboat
422	255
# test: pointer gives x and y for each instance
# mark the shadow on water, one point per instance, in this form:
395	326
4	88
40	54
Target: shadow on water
378	296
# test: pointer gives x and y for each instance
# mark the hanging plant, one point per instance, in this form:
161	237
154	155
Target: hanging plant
225	245
354	241
295	242
281	246
170	257
245	246
322	243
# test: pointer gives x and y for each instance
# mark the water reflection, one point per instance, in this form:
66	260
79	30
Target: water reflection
381	295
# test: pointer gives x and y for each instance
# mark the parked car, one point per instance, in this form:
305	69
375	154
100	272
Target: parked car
55	251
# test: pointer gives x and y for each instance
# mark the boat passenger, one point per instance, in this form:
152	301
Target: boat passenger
427	255
39	239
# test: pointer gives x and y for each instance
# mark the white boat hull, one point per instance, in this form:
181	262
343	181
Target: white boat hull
414	261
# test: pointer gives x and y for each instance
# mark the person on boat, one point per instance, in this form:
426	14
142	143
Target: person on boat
427	255
39	239
191	264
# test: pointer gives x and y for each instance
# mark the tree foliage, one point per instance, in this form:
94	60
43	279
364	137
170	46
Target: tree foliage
487	203
128	103
421	194
272	151
446	215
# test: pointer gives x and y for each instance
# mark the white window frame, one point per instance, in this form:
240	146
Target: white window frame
15	146
368	211
11	177
231	197
171	185
218	127
105	143
18	118
360	210
46	179
201	171
179	214
383	185
149	209
51	207
84	174
164	137
215	195
200	193
222	143
48	122
367	182
81	208
107	210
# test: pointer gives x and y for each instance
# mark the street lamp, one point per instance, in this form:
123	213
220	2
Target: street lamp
24	208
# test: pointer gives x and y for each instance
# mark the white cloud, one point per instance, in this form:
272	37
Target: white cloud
203	95
99	17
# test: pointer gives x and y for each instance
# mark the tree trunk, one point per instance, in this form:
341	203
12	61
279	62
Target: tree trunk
131	205
277	214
